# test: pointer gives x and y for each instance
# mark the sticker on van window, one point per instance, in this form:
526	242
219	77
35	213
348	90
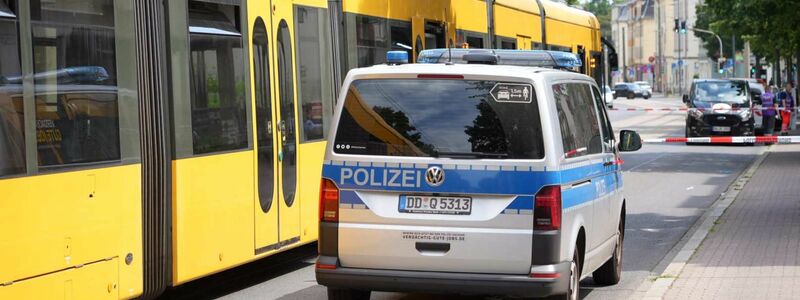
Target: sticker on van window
512	92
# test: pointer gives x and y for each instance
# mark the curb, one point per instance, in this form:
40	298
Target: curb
660	284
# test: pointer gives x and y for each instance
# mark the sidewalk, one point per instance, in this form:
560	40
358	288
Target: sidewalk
753	251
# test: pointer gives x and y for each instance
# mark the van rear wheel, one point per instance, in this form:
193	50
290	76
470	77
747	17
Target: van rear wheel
611	271
347	294
574	281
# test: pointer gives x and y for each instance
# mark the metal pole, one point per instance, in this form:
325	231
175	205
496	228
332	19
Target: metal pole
721	53
733	55
680	64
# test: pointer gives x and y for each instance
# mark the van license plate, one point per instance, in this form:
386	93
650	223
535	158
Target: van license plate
441	205
721	129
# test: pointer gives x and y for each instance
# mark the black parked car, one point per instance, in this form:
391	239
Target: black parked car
629	90
719	107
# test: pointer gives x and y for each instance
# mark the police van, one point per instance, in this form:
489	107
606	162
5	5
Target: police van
470	179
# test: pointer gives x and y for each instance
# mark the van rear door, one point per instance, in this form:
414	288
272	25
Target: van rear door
438	175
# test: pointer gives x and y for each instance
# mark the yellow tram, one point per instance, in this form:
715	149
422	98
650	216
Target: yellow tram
145	145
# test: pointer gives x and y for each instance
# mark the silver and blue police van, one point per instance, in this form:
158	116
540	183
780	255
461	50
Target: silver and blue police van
470	178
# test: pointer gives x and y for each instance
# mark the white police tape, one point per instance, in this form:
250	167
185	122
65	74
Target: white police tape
673	109
727	140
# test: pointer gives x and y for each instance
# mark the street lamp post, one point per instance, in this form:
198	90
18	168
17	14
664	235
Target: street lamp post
721	53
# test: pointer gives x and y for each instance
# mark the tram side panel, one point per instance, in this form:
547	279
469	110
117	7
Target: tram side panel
71	205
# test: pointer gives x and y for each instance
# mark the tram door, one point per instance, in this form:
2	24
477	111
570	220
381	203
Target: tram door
278	220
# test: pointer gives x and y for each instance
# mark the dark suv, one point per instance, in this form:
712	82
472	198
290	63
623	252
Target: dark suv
719	107
629	90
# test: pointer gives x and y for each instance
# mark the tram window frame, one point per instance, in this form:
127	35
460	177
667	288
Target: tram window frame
13	155
369	46
435	32
86	130
396	36
315	83
219	23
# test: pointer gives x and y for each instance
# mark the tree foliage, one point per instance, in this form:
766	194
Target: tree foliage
767	24
602	10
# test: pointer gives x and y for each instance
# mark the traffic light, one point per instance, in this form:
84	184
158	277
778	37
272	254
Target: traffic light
683	27
593	62
677	25
752	71
721	62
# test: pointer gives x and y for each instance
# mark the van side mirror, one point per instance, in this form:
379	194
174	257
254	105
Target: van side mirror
630	141
686	99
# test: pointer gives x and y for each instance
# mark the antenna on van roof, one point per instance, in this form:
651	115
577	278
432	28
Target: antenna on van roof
449	41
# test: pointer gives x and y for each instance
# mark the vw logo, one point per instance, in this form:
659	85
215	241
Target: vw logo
434	176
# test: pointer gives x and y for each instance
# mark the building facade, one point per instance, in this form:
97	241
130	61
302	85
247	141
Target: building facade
652	50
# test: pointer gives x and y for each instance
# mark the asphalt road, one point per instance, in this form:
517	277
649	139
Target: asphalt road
667	187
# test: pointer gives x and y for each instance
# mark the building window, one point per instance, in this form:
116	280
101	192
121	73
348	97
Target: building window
74	62
12	118
219	120
314	83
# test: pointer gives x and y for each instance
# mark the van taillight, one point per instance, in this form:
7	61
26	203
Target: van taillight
328	201
547	209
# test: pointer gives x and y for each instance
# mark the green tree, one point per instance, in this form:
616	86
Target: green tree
768	25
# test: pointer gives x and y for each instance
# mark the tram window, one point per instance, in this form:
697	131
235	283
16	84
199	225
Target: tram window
264	121
74	63
371	40
288	117
475	42
12	137
219	119
508	44
434	36
560	48
401	36
314	85
577	115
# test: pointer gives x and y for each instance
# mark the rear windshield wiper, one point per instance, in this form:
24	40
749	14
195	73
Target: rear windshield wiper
469	154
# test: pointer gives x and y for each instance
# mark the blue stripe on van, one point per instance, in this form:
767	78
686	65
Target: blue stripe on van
521	202
522	183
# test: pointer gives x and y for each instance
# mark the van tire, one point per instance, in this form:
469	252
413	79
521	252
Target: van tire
574	285
347	294
611	271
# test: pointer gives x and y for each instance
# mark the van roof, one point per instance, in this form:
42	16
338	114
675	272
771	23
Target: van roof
467	70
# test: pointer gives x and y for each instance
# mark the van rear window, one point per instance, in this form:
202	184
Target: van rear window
440	118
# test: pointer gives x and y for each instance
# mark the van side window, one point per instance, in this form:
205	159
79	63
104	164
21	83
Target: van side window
605	124
577	116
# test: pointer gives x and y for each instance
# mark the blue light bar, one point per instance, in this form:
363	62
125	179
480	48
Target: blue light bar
396	57
529	58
